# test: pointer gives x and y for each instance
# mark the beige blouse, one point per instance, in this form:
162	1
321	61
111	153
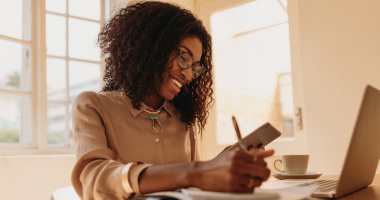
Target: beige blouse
114	143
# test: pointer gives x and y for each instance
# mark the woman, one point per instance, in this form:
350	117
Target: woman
138	135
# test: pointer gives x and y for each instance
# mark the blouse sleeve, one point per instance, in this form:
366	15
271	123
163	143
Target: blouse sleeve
96	174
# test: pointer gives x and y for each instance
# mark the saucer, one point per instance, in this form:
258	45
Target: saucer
308	175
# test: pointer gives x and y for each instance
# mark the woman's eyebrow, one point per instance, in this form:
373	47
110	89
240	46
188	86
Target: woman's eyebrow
191	53
188	50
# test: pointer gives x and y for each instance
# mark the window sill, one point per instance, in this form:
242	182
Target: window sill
49	151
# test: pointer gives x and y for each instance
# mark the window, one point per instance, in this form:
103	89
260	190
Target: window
16	70
73	62
252	68
48	56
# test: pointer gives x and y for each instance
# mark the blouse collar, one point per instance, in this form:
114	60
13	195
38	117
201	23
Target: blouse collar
167	105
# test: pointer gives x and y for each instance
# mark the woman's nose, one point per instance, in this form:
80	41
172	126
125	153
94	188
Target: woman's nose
187	73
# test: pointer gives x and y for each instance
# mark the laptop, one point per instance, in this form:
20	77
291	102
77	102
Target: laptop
362	156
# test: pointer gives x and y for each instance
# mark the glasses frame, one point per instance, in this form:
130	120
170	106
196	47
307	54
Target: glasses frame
192	62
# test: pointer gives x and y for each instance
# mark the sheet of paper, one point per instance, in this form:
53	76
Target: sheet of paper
197	194
273	183
292	193
177	195
286	193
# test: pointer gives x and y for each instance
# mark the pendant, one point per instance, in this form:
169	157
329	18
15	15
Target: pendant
155	122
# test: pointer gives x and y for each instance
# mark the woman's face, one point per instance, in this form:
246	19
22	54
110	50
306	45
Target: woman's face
175	77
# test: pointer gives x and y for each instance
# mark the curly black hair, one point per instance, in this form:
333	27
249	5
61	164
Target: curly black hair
137	43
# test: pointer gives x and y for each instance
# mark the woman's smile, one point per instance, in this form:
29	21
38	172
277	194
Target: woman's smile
176	84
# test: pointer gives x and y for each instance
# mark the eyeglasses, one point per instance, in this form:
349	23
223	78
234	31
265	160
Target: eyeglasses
185	61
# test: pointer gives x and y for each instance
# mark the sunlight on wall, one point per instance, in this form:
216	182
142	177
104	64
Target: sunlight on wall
252	69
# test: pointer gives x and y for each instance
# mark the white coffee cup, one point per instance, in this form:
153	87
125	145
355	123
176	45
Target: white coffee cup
293	164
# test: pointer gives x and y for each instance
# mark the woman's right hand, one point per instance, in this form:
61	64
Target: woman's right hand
232	171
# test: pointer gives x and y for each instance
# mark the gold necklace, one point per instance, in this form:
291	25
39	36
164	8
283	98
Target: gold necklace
154	117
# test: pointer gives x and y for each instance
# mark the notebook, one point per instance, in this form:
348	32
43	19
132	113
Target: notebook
197	194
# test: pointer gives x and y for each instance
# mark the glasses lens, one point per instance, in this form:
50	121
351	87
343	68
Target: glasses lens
197	70
185	61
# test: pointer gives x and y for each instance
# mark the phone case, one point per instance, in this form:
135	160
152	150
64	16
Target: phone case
265	134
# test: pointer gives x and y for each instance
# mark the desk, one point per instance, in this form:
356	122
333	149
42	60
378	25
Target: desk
372	192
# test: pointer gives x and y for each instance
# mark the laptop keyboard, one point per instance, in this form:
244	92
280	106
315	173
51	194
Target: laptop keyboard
323	185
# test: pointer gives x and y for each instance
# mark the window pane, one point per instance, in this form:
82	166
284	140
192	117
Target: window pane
250	16
89	9
286	98
83	76
58	6
55	35
271	46
56	123
284	2
252	70
15	119
56	79
15	18
71	139
15	66
107	5
82	39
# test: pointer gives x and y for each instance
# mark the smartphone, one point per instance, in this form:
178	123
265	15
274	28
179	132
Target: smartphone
263	135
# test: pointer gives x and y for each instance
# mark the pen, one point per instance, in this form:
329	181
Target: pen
240	142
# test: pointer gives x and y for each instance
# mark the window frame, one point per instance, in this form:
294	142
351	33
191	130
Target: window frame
38	94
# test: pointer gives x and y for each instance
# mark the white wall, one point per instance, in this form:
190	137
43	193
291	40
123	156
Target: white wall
34	177
339	47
